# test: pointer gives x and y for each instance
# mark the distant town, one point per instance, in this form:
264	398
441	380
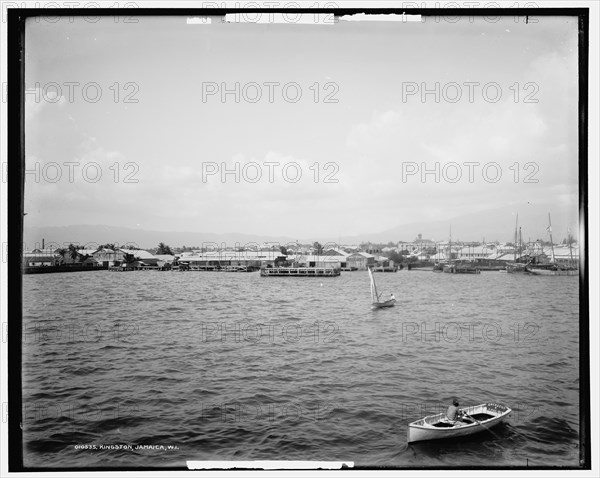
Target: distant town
420	253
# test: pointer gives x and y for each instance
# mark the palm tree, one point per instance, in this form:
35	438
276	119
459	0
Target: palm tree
61	252
73	253
164	249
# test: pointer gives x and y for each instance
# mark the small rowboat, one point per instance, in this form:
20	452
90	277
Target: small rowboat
436	427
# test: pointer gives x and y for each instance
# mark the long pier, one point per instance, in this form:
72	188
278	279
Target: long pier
300	272
60	268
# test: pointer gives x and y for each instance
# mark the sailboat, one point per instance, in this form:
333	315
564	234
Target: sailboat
516	265
455	266
376	304
551	268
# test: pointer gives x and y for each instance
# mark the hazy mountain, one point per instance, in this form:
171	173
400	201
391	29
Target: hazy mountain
493	225
91	235
498	224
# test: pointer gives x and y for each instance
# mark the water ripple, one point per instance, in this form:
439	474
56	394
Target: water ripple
234	366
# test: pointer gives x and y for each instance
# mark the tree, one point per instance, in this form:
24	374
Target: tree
62	252
163	249
84	257
569	240
129	258
396	257
318	248
283	250
73	253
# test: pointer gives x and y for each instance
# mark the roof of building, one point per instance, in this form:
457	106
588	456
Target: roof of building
334	251
363	254
139	253
104	250
39	257
165	257
83	252
39	252
480	250
230	255
320	258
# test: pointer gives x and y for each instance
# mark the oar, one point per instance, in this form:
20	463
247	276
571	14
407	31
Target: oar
479	423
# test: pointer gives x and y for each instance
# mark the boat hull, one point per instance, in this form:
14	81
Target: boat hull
516	268
382	305
425	429
460	269
551	272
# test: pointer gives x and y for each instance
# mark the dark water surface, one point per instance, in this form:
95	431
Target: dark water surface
226	366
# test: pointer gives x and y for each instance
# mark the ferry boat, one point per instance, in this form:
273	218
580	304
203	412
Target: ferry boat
300	271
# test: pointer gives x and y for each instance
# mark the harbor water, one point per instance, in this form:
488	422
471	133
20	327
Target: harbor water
152	368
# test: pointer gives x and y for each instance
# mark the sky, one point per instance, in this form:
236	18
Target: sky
330	130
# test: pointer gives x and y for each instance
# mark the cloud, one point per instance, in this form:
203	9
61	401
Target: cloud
517	140
38	99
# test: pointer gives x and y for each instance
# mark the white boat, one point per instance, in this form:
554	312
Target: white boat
376	304
552	268
550	271
479	418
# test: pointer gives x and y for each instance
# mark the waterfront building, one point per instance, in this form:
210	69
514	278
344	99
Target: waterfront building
211	260
311	260
360	260
106	257
40	257
142	258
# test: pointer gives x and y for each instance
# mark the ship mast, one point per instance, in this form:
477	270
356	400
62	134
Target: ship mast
520	244
515	243
551	242
450	246
569	238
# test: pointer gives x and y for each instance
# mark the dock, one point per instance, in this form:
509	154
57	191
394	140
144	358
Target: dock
60	268
300	272
384	269
461	269
135	268
214	268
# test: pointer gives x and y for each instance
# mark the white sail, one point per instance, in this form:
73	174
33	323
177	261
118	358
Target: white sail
374	294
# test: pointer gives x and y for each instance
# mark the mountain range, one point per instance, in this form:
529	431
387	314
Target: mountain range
498	224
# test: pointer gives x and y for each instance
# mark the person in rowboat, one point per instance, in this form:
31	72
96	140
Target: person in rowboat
392	297
453	414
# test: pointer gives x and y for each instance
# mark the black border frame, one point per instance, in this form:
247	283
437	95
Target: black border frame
16	163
